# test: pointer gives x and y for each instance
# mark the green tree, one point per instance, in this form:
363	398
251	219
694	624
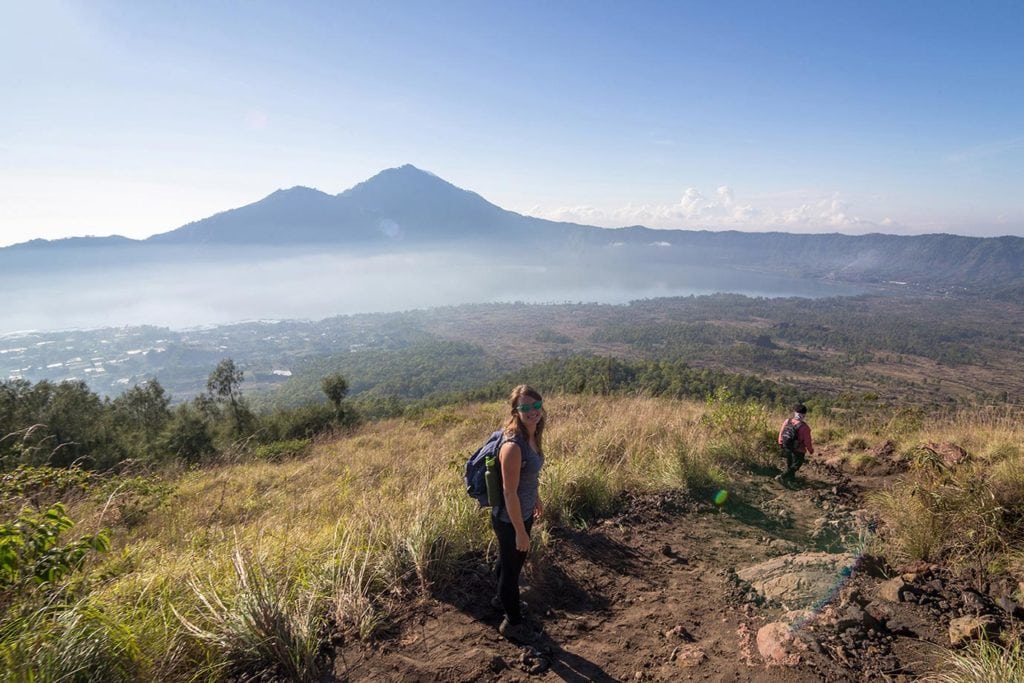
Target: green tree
140	416
73	416
335	387
187	435
224	384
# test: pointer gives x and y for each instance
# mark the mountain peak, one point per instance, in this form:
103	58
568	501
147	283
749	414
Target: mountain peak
406	178
298	191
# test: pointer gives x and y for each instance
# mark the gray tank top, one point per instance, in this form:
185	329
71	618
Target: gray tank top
529	481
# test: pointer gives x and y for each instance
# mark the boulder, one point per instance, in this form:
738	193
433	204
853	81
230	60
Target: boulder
799	580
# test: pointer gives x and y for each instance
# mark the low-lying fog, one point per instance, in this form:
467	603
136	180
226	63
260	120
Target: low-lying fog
272	285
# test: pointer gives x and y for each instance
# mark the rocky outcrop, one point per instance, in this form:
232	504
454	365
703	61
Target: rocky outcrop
799	580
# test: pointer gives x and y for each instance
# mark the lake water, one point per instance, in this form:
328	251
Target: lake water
313	286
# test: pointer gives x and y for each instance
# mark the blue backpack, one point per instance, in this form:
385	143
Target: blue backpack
483	472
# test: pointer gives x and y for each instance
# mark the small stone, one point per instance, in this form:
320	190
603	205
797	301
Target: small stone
893	590
775	642
679	632
1010	607
970	628
687	656
853	618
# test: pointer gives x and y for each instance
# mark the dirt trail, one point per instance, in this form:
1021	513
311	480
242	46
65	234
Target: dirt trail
652	594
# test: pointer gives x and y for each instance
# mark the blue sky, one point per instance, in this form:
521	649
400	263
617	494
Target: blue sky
903	117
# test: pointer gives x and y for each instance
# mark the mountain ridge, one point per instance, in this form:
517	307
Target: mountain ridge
409	207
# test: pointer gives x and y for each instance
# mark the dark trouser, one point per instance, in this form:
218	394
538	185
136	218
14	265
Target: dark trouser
794	459
510	564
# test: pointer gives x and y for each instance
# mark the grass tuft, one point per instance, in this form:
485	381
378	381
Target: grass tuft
76	642
266	624
982	662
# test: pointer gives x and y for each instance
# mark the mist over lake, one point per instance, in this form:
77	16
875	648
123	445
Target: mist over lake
250	284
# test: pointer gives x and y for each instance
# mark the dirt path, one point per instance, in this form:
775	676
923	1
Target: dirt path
652	594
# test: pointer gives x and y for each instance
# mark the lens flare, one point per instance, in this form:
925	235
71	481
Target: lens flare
721	497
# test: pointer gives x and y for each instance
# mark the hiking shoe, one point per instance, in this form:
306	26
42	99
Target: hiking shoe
496	604
518	633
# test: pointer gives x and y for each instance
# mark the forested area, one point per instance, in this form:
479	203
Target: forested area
848	353
66	424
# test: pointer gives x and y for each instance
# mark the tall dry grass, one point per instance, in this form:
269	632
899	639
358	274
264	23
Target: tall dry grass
250	565
981	662
968	514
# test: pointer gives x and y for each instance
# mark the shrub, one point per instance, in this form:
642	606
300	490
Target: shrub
738	432
276	451
828	435
41	487
862	461
133	498
306	422
964	516
857	443
187	436
910	525
30	552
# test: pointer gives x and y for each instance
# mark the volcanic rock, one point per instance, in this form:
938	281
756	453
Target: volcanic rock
798	580
964	629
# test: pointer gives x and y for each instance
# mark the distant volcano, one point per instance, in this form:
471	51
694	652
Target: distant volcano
402	203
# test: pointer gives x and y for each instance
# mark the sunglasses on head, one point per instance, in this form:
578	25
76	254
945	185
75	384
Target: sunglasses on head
527	407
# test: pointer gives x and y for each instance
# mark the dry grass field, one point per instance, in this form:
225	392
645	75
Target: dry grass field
248	567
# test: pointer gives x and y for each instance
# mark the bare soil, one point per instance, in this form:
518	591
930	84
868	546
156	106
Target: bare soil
651	594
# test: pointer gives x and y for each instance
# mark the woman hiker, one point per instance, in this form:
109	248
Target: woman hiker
521	458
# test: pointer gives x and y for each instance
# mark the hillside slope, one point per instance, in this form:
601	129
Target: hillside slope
654	593
667	551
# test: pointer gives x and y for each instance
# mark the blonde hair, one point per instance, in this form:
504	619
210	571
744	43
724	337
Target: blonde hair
514	425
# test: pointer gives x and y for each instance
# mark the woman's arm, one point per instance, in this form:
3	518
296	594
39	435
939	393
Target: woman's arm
511	458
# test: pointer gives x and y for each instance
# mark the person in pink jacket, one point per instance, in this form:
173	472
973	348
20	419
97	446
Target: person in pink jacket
795	442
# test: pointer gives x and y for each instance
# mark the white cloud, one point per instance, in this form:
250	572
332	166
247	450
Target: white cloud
796	212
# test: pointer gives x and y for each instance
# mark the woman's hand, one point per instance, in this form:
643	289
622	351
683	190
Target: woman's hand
538	510
522	542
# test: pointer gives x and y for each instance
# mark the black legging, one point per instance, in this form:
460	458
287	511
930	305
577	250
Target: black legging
794	459
510	564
